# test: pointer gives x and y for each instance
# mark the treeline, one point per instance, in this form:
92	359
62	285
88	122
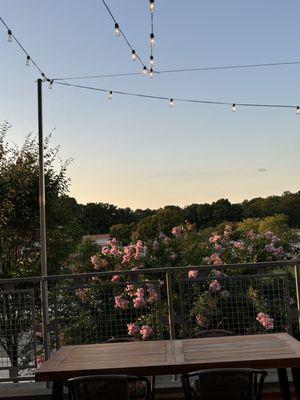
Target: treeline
102	218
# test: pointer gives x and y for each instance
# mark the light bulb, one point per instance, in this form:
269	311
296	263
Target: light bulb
44	77
171	103
9	36
233	109
27	61
117	29
297	110
50	83
151	73
151	6
110	95
151	61
133	55
144	71
152	40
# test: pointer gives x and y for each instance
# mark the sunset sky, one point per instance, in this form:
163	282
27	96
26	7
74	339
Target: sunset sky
138	152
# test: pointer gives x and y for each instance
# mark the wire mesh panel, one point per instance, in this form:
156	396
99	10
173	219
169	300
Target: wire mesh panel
96	313
240	304
17	339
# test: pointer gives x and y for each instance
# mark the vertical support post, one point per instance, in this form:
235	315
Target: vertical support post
42	207
170	305
297	281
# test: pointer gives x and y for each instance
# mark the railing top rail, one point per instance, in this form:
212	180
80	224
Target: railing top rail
156	270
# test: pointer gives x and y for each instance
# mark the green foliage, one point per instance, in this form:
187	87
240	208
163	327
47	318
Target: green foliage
19	209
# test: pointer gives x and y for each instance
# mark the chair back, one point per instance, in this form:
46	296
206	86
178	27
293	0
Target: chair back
225	384
213	333
107	387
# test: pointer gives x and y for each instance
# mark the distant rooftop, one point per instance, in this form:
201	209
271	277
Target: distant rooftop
100	238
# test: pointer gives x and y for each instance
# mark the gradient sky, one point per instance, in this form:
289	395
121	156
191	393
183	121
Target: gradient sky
139	153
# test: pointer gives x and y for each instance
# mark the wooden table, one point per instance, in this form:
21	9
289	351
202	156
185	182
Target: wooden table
166	357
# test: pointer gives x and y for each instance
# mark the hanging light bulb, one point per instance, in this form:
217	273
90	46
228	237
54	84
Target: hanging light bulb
152	40
151	6
27	60
44	77
297	110
171	103
151	73
50	83
110	95
117	30
9	36
133	55
151	61
144	72
233	109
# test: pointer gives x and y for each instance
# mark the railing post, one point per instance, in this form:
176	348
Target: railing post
297	281
170	305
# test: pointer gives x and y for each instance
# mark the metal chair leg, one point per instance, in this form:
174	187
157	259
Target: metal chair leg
284	384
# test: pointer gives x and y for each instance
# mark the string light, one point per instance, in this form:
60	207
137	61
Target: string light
44	77
133	55
151	61
233	108
171	103
117	30
110	95
9	36
50	83
151	6
151	73
144	72
297	110
27	61
152	40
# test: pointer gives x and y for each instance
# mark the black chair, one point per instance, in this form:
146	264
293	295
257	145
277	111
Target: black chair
213	333
131	339
108	387
225	384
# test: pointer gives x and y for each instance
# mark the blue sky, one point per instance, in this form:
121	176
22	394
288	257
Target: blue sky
139	153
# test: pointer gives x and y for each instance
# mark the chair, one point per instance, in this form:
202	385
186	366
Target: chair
108	387
152	378
225	384
213	333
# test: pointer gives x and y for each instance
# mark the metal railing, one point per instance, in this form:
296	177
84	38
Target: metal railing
91	308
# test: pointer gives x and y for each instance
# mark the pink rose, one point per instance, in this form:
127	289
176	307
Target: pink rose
265	320
120	302
132	329
176	231
201	321
139	302
116	278
193	273
146	331
215	286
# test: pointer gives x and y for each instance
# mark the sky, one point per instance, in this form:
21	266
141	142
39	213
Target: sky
138	152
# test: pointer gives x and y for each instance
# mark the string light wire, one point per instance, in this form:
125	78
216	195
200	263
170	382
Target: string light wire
121	32
28	57
182	70
185	100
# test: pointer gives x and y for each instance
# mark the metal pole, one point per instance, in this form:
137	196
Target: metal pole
170	306
42	204
297	281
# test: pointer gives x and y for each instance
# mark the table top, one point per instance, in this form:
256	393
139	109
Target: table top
163	357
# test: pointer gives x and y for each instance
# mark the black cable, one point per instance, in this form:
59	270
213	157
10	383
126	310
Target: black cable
23	49
143	95
224	67
122	33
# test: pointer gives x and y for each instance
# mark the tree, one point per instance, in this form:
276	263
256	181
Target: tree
19	209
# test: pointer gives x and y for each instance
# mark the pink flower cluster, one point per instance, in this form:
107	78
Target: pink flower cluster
227	231
215	238
145	331
265	320
214	259
121	302
134	252
201	321
214	286
193	273
139	301
176	231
